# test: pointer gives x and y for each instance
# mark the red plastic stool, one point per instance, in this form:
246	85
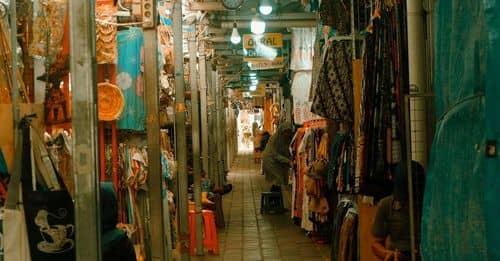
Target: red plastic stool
192	232
210	240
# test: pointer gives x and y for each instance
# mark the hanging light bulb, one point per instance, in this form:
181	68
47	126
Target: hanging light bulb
265	7
253	88
235	35
257	26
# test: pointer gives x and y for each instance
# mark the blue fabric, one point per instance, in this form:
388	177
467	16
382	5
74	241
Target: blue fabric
492	192
454	217
129	78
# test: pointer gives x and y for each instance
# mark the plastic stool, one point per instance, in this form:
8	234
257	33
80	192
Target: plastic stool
210	240
192	233
271	202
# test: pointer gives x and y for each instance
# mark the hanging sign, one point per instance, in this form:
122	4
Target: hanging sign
263	51
260	91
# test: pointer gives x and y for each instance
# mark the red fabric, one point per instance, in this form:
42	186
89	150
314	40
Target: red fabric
102	152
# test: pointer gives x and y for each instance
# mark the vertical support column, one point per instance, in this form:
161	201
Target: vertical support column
411	203
180	135
218	124
222	131
14	68
203	104
224	134
210	118
156	225
195	132
84	107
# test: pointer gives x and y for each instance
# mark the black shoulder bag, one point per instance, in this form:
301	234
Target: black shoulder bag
49	213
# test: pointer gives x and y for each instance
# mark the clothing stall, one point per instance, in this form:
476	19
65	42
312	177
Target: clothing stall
43	75
343	152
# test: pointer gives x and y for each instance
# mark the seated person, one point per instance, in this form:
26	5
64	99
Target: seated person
392	220
276	155
115	243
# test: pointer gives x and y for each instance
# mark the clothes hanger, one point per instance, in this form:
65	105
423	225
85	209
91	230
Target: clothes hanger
122	11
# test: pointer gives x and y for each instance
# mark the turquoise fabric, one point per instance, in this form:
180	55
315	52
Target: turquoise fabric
460	215
129	78
109	216
165	173
492	191
4	171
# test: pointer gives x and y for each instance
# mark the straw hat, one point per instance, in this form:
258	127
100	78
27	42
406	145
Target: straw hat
110	101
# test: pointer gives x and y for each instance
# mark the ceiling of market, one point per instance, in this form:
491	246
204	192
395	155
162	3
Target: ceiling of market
228	57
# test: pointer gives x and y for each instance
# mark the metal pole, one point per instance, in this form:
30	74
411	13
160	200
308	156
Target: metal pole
156	224
203	104
353	31
410	177
223	132
212	116
220	164
14	68
225	135
180	135
84	107
195	131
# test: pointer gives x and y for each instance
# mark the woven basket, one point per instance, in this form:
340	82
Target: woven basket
110	101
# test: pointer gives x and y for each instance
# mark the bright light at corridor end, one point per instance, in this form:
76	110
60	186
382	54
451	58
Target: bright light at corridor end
235	35
257	26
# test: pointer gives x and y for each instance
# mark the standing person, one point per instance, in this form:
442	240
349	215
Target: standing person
255	128
115	244
393	216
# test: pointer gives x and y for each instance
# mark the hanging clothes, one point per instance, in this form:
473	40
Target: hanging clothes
333	98
302	48
130	79
301	86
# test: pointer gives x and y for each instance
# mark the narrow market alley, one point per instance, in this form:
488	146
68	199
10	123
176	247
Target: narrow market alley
251	236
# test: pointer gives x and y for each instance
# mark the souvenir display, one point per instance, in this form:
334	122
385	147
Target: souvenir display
110	101
49	29
106	33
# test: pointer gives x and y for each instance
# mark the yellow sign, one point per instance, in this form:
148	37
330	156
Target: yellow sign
252	41
263	51
264	64
260	91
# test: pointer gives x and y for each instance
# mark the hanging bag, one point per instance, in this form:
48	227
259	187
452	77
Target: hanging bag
15	235
49	214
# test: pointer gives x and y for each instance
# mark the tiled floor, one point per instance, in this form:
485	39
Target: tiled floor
251	236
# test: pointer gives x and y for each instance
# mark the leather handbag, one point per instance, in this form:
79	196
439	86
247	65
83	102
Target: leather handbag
49	213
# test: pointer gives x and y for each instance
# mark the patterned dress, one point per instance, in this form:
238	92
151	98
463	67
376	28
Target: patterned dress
129	78
333	98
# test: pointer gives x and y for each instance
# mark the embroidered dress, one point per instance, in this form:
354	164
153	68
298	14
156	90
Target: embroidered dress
129	78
